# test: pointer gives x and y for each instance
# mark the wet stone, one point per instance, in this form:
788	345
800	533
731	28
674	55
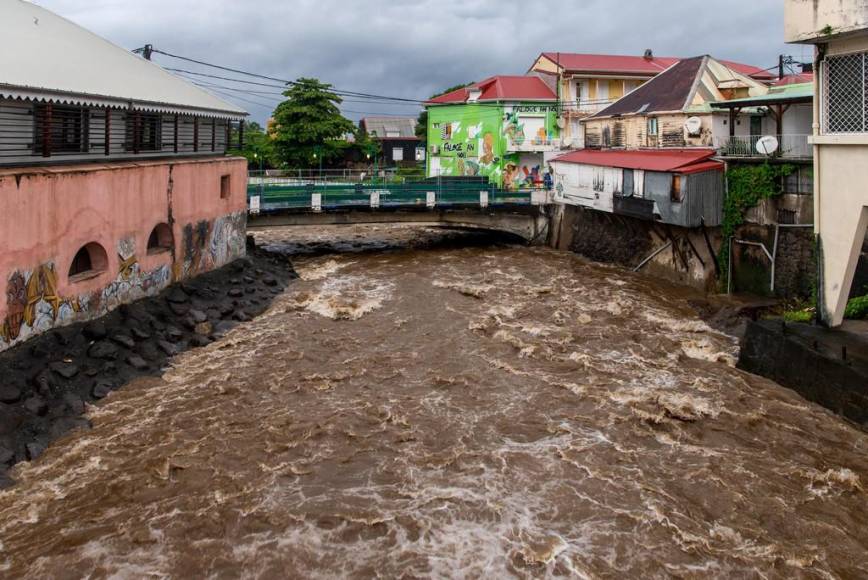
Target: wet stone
250	290
174	334
240	316
167	347
200	340
248	280
34	450
7	456
95	330
10	393
101	389
149	351
124	340
65	370
179	309
203	329
270	281
137	362
74	404
103	350
198	316
177	296
36	405
235	293
140	334
222	327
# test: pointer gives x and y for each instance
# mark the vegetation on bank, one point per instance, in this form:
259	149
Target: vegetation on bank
747	186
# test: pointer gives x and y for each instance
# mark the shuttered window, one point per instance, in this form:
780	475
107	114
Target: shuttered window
60	129
143	132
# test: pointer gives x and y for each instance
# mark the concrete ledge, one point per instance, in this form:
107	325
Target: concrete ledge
811	361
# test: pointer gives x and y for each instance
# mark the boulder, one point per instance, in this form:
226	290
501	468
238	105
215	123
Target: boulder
179	309
140	334
103	350
67	370
7	456
10	394
95	330
270	281
174	334
101	389
124	340
74	404
177	296
235	293
34	450
198	316
203	329
167	347
224	326
36	405
200	340
137	362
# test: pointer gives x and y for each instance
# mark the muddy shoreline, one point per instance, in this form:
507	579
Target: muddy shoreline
47	382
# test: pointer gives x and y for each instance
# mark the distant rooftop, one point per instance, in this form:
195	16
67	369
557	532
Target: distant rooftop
636	65
389	127
782	94
500	88
44	57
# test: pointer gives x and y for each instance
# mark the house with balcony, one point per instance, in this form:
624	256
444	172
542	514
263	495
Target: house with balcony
500	128
838	29
588	83
114	179
674	109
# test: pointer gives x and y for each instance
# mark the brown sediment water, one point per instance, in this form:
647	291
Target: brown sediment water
446	411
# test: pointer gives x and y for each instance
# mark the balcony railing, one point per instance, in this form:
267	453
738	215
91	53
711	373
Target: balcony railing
789	146
532	145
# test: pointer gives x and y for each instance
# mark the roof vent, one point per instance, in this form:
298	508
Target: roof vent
649	54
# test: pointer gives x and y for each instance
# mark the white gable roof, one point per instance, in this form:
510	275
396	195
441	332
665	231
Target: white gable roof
47	58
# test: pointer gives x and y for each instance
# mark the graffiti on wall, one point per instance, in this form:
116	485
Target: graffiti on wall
34	304
474	140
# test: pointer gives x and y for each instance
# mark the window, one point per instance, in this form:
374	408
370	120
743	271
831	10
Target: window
393	134
90	261
60	129
225	186
844	98
143	132
676	194
652	126
161	239
397	154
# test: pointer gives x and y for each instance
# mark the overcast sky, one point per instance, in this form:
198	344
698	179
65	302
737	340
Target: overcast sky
413	48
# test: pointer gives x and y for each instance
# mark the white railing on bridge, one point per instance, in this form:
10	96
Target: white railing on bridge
789	146
321	177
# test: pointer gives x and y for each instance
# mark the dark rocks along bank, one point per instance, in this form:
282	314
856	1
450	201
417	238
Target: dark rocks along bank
46	381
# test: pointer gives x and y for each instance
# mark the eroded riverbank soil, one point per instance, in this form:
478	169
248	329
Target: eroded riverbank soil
482	412
46	382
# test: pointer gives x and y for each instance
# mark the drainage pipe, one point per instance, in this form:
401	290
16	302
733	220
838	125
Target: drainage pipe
652	256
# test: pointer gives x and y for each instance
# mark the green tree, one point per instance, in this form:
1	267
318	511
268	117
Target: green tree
309	126
422	122
257	146
367	146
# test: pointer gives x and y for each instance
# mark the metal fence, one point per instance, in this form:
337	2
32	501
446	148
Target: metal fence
267	196
790	146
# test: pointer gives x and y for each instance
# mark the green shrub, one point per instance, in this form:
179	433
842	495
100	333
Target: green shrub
806	316
857	308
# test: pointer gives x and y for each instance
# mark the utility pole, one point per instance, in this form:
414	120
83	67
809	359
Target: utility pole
780	66
147	51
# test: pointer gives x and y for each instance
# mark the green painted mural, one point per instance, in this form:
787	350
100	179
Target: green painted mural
503	142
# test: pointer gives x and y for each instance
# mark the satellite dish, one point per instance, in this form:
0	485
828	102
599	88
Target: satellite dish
693	125
767	145
561	123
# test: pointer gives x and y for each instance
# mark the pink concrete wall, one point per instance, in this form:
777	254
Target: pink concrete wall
48	214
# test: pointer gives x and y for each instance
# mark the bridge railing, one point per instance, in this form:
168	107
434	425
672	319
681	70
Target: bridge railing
428	194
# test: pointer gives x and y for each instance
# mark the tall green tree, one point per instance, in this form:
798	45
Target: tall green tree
422	122
308	125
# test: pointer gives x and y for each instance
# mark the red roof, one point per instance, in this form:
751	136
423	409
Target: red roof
669	160
502	88
795	79
638	65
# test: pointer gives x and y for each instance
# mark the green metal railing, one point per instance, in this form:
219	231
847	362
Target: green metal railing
420	194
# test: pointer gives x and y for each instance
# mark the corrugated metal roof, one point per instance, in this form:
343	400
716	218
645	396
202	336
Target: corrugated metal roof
796	79
46	57
387	126
668	160
668	91
638	65
501	88
795	93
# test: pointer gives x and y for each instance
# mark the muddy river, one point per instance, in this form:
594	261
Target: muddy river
449	410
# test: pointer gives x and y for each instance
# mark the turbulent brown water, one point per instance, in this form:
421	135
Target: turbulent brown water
450	412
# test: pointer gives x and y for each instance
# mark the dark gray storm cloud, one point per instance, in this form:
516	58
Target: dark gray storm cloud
413	48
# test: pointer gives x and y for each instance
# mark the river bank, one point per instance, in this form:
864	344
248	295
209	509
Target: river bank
47	383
